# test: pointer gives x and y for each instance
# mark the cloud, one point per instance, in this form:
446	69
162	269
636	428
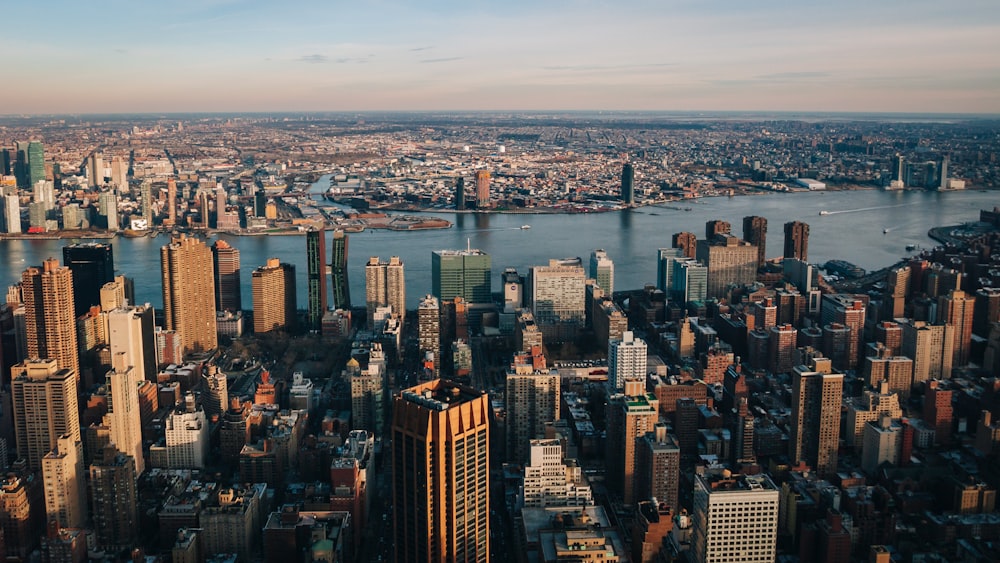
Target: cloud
314	59
418	49
587	68
793	75
442	60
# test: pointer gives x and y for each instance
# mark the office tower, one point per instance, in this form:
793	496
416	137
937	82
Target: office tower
658	467
630	416
203	210
931	347
48	314
690	281
338	269
482	189
45	407
440	452
943	185
65	483
22	518
108	205
226	265
558	298
513	290
95	170
119	173
131	332
461	273
797	240
171	201
602	269
189	293
628	184
146	202
316	265
273	287
549	481
92	265
717	227
755	232
665	258
532	398
460	194
123	410
730	261
385	285
11	213
186	433
626	360
114	500
686	242
735	519
36	162
956	309
815	423
429	333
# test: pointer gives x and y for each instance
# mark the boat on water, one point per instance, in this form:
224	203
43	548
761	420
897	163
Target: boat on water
523	227
824	212
885	231
911	247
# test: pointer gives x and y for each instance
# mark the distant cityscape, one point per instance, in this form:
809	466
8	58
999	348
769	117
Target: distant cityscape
748	406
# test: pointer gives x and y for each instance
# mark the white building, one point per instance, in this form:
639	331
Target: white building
735	519
187	437
602	269
883	443
626	359
300	397
549	481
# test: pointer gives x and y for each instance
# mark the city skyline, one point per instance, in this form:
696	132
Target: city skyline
638	55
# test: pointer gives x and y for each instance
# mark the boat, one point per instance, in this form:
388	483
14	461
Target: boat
523	227
824	212
885	231
911	247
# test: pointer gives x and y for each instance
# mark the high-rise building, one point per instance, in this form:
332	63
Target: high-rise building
189	293
551	481
385	285
781	348
796	240
628	184
690	281
848	311
686	242
95	169
65	483
171	202
559	298
146	202
729	261
658	467
735	519
460	194
462	273
274	299
226	263
817	395
114	500
665	258
482	189
338	270
931	347
367	397
123	411
630	416
870	407
532	398
755	232
22	517
956	309
36	162
626	360
316	280
602	269
48	314
132	332
44	400
440	452
938	412
108	205
717	227
186	436
429	333
11	213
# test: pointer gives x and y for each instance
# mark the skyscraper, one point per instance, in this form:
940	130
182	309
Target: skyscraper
146	202
558	298
338	268
630	416
717	227
45	408
385	284
108	205
460	194
316	265
532	399
48	314
36	162
462	273
755	232
686	242
658	467
628	184
429	332
114	500
815	424
11	213
956	309
690	281
665	258
482	189
132	332
92	265
65	483
730	261
189	293
626	360
226	263
274	300
797	240
440	453
171	202
735	519
123	410
602	269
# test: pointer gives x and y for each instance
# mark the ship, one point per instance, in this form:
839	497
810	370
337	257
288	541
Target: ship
824	212
523	227
844	268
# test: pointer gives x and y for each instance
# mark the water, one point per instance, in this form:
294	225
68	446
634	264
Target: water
852	231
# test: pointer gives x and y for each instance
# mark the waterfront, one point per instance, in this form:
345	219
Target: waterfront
854	231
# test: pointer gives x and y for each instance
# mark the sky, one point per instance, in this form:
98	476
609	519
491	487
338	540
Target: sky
111	56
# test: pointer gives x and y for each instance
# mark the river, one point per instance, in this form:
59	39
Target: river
853	230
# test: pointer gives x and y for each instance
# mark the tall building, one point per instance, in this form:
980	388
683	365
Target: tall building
49	319
385	284
665	259
36	162
462	273
460	194
367	397
189	293
440	452
931	347
551	481
602	269
817	395
226	263
956	309
114	500
755	232
44	400
95	169
628	184
717	227
316	280
22	518
482	189
146	202
338	271
132	332
626	360
658	467
429	333
690	281
559	298
850	312
274	298
735	519
630	416
729	261
171	202
108	205
686	242
532	399
65	483
123	411
11	213
796	240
